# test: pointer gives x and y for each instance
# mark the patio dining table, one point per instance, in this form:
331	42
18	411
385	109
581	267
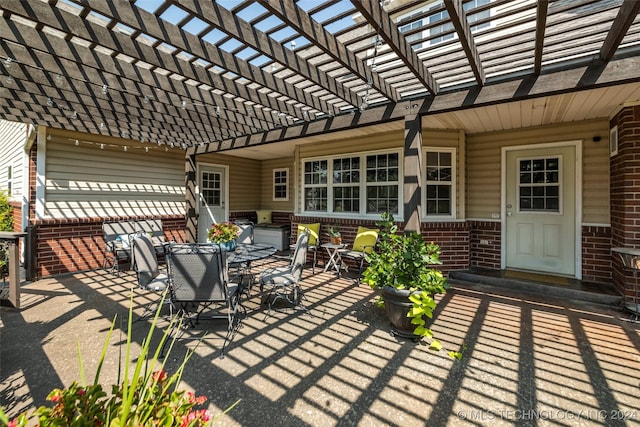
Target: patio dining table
242	257
245	253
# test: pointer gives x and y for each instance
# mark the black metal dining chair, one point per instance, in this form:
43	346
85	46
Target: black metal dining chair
198	281
144	262
284	282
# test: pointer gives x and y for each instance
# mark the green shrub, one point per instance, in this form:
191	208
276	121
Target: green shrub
6	213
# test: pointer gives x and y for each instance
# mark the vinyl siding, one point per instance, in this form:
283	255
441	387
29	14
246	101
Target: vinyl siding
13	137
267	201
87	181
484	166
244	178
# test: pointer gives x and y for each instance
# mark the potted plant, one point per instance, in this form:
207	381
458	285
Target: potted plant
334	235
403	268
225	234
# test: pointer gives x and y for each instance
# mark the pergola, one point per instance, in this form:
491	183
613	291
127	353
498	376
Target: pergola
209	76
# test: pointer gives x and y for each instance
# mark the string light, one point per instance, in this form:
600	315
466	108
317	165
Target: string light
105	89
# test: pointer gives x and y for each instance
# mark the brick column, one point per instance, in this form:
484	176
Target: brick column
625	191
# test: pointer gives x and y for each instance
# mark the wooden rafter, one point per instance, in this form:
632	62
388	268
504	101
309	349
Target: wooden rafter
541	25
626	69
223	19
459	21
387	29
299	20
162	90
142	20
65	21
626	15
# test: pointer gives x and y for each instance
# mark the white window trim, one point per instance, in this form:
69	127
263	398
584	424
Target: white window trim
454	187
363	185
613	141
286	185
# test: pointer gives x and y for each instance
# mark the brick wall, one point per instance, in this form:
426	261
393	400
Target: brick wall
625	191
596	254
453	237
485	245
69	245
16	213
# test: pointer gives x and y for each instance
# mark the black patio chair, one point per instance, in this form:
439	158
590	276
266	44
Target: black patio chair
144	262
198	280
284	282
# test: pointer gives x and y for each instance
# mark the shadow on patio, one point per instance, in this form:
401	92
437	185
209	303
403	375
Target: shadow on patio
527	361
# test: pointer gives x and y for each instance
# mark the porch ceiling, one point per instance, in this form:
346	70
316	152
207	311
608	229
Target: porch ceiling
236	74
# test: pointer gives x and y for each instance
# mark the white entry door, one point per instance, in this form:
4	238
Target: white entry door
541	210
212	198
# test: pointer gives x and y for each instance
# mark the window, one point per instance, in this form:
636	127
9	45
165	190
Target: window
613	141
539	185
359	184
477	16
315	185
415	36
9	180
281	184
435	32
439	189
346	184
382	183
212	188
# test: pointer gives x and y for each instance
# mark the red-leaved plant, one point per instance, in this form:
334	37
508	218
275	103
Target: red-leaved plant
148	396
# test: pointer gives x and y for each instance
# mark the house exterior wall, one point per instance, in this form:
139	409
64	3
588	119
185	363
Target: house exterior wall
97	178
86	185
484	166
244	176
625	193
13	138
266	179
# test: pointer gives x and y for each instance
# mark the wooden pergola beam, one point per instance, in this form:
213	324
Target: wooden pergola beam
624	70
542	10
459	21
161	105
380	20
226	21
72	24
299	20
626	15
141	20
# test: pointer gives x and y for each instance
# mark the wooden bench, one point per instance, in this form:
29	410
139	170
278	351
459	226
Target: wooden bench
118	235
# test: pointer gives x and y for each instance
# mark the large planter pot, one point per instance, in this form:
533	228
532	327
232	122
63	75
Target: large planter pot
397	306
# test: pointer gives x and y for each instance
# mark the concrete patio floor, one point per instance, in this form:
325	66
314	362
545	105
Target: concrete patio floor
527	361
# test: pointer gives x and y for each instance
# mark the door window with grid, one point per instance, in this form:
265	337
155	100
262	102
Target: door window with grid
539	184
211	188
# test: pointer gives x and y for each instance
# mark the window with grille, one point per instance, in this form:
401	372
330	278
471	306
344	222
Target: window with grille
9	180
439	185
539	184
360	184
211	188
281	184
